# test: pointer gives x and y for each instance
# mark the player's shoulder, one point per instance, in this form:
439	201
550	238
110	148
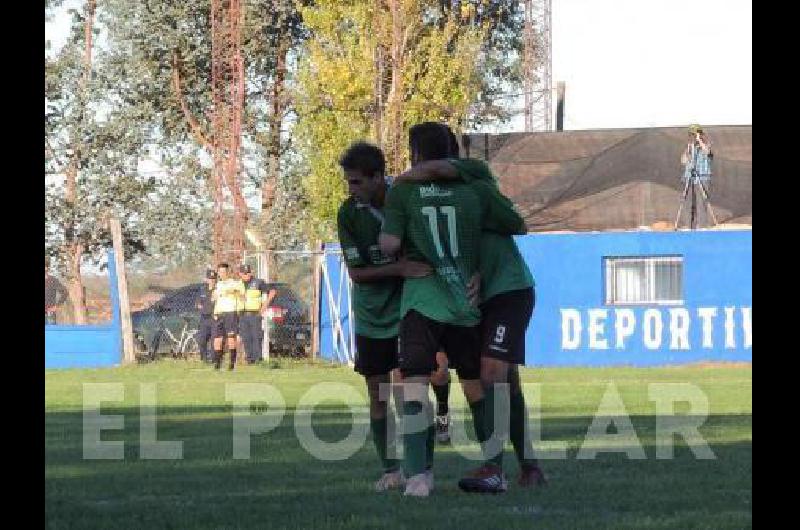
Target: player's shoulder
468	162
482	186
400	191
347	207
349	212
474	170
402	186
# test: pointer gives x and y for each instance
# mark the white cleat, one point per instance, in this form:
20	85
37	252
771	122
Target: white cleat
418	486
391	480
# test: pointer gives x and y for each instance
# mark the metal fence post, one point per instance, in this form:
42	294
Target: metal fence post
316	303
265	348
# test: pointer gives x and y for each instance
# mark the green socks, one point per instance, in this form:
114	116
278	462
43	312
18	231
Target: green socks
416	445
518	417
496	427
380	437
478	419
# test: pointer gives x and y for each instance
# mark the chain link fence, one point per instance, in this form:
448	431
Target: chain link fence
95	286
166	307
290	318
165	316
167	320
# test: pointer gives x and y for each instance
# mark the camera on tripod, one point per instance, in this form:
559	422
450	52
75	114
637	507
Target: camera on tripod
697	157
696	174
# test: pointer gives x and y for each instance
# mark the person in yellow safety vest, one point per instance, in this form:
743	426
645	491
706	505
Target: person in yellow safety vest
228	299
257	297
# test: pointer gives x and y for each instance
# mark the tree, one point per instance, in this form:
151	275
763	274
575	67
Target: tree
373	68
70	133
169	46
96	135
269	54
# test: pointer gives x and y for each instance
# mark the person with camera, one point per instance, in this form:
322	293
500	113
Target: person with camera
697	156
696	159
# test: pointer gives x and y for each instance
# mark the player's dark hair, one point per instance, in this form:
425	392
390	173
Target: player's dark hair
429	140
454	149
223	266
364	157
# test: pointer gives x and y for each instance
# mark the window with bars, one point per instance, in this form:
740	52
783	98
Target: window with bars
644	280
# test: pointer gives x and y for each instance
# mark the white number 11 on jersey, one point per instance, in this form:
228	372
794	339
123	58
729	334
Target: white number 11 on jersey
432	214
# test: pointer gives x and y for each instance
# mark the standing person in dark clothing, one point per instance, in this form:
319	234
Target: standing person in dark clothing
257	298
205	306
54	295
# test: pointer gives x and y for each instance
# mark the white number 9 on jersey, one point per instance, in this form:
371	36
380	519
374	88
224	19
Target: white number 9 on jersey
499	334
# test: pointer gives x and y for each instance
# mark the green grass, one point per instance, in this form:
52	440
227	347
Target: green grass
282	486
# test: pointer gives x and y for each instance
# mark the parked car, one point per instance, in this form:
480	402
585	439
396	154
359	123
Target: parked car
289	323
168	326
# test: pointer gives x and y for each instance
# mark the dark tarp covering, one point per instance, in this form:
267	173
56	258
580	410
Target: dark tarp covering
615	178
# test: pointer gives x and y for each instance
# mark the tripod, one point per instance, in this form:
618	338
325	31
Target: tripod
694	181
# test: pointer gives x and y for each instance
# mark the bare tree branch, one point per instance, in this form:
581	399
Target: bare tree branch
194	125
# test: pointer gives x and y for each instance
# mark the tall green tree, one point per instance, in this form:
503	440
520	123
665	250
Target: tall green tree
372	68
167	45
97	133
83	149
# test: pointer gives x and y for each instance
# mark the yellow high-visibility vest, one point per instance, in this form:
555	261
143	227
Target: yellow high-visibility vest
230	294
253	296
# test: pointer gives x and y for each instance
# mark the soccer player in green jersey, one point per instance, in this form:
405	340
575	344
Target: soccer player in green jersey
440	223
507	300
377	283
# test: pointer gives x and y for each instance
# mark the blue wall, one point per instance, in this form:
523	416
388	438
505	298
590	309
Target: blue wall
717	274
88	346
568	268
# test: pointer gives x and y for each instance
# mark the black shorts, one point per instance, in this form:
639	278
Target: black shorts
375	356
227	324
504	319
421	338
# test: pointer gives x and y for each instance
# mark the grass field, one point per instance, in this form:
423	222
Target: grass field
282	486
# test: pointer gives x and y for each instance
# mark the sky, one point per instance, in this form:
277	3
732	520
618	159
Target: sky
653	63
638	63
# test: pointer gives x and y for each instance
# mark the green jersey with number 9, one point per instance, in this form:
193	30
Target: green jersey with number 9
441	223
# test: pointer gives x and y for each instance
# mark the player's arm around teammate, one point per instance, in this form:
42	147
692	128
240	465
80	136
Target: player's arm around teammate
376	293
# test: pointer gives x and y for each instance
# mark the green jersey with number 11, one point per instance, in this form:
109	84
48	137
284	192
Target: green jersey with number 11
441	223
